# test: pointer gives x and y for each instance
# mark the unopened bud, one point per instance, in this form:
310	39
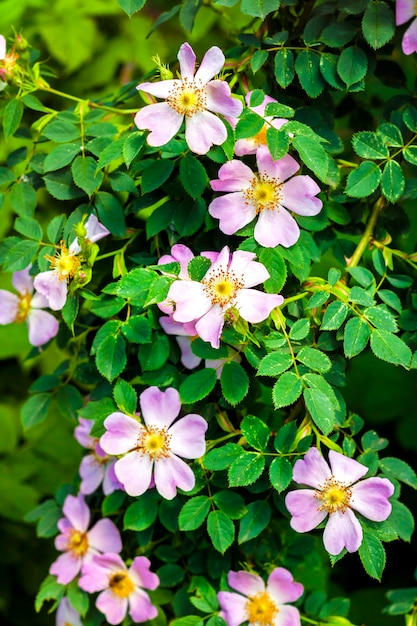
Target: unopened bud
163	69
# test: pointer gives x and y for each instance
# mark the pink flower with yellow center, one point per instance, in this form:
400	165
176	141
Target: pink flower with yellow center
404	11
227	285
122	588
195	98
150	451
28	307
337	492
269	195
259	604
8	62
79	544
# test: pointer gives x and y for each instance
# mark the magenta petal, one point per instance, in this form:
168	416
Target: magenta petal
255	306
163	122
121	435
370	498
211	65
276	227
186	57
298	195
141	574
202	130
66	615
42	327
22	281
105	537
280	170
171	472
77	512
159	89
112	606
134	472
233	212
245	582
312	470
66	567
141	608
233	607
287	616
409	43
303	507
342	531
160	408
54	290
219	99
344	469
187	436
9	303
209	327
282	587
404	11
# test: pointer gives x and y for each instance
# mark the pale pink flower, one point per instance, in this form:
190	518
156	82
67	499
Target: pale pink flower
150	452
267	195
337	492
28	307
66	615
79	544
122	588
404	11
194	97
260	604
249	145
96	468
226	285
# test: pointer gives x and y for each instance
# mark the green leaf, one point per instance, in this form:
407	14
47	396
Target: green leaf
188	13
29	227
222	458
234	382
194	512
23	198
135	285
362	275
197	268
299	330
49	590
280	473
60	156
338	34
131	6
360	296
398	469
391	134
259	8
328	68
357	333
307	66
402	520
125	397
132	146
314	359
142	513
153	355
249	125
285	437
85	176
393	181
61	131
278	142
156	174
35	409
255	431
321	409
113	502
231	503
255	521
389	347
313	155
381	317
188	620
20	255
12	115
110	213
221	530
111	356
372	555
275	264
246	469
61	185
258	59
284	67
352	65
286	390
364	180
378	24
370	145
334	315
274	364
193	176
111	153
198	385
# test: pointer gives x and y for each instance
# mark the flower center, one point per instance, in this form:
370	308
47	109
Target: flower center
334	496
221	287
78	542
261	609
8	64
187	97
154	442
65	263
121	584
260	138
264	193
23	307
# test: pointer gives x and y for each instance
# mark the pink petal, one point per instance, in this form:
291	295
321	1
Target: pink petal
282	587
54	290
280	170
344	469
112	606
287	616
211	65
249	271
312	470
188	358
2	48
66	567
233	607
276	227
298	196
187	436
82	433
39	301
233	176
209	327
255	306
95	573
190	300
105	537
121	435
91	472
160	408
404	11
342	531
409	43
171	472
134	472
42	327
22	281
9	303
141	574
245	582
66	615
219	99
163	122
141	608
233	212
303	507
159	89
202	130
77	512
110	482
370	498
182	254
186	57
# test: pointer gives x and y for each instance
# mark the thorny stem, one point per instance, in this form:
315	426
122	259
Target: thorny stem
367	235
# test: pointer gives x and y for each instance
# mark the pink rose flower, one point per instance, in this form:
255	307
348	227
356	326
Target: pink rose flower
267	195
150	452
79	544
194	97
260	604
337	492
122	588
226	285
28	307
404	11
249	145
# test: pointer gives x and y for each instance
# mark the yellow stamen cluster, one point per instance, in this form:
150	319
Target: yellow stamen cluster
260	138
8	64
187	97
264	193
334	496
121	584
23	307
65	263
261	609
78	542
154	442
222	286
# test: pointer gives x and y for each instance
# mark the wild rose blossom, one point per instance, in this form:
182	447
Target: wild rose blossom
404	11
260	604
8	63
337	493
96	468
226	285
53	284
267	195
79	544
28	307
66	615
150	452
122	588
194	97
